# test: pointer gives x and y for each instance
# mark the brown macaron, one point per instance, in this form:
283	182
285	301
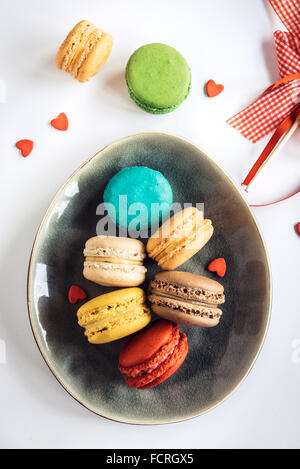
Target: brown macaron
186	298
84	51
179	238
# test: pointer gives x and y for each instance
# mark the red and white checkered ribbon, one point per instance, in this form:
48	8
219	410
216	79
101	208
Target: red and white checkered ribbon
281	99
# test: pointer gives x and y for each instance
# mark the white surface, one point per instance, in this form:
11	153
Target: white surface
229	41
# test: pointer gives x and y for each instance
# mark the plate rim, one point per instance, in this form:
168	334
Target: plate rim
30	269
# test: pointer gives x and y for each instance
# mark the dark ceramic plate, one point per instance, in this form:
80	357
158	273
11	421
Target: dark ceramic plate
219	358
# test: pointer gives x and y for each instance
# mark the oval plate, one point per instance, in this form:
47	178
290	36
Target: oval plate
219	358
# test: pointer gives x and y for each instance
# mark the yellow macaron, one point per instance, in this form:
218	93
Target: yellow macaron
114	315
84	51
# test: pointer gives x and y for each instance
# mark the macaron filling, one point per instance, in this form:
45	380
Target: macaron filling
113	260
114	252
114	268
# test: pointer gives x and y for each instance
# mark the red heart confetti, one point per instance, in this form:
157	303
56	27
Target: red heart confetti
25	146
60	122
212	89
298	227
218	266
75	294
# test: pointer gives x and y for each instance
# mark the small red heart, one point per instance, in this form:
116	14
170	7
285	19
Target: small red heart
218	266
212	89
61	122
75	294
25	146
298	227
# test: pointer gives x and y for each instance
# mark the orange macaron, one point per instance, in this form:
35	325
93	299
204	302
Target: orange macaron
84	51
179	238
151	356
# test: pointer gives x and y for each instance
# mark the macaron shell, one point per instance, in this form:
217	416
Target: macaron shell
112	246
184	318
117	275
153	188
190	281
145	344
150	109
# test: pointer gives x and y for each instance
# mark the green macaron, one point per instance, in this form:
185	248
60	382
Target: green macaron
158	78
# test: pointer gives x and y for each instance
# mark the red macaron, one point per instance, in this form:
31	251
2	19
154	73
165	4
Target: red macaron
153	354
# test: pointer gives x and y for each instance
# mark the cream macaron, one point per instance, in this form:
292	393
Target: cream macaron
114	261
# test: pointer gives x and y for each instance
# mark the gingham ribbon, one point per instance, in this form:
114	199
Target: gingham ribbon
281	99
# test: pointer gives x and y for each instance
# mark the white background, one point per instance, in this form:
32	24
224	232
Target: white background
230	41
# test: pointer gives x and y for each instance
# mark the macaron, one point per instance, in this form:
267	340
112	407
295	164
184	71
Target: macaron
114	315
137	197
158	78
186	298
84	51
152	355
179	238
114	261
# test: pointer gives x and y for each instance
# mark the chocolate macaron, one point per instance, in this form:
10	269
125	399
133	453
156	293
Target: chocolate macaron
186	298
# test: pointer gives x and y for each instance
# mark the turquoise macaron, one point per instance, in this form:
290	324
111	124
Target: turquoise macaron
158	78
137	197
